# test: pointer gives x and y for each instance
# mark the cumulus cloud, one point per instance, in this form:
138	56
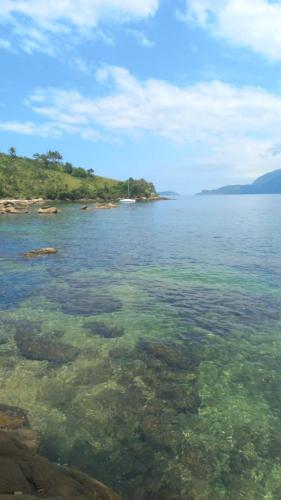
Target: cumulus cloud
37	22
254	24
228	125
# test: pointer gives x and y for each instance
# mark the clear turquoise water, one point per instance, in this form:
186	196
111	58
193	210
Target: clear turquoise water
183	403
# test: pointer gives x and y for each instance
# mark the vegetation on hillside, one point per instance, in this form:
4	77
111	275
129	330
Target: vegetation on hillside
49	177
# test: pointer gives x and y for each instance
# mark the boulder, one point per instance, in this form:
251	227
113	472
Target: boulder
48	210
25	474
41	251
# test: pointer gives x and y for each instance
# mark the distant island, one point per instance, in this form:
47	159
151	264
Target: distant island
168	193
47	176
269	183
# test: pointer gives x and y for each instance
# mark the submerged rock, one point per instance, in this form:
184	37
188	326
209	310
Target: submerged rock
27	475
168	352
44	349
12	417
102	330
41	251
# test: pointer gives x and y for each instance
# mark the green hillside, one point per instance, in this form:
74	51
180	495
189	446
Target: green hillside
48	177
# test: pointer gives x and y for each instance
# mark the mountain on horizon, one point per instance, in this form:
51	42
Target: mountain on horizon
168	193
269	183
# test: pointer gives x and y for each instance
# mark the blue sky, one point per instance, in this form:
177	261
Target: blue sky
186	93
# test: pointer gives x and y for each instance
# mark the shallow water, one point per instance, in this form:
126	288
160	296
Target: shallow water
174	310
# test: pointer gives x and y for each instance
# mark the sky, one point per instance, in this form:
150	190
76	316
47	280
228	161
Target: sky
185	93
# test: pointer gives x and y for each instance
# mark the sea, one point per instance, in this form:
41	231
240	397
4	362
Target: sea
147	351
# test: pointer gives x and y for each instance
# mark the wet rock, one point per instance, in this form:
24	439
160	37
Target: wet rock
105	206
44	349
102	330
12	417
12	210
84	208
25	474
48	210
41	251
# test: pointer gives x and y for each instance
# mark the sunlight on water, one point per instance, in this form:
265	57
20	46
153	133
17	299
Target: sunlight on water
147	351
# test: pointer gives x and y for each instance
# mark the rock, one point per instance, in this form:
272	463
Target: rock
12	417
106	206
84	208
44	349
41	251
13	202
48	210
27	475
102	330
170	353
10	209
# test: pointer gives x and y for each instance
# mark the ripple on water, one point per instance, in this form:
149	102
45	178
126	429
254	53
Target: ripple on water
84	302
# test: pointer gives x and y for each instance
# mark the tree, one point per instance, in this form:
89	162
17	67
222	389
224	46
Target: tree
68	168
54	156
12	152
79	172
91	171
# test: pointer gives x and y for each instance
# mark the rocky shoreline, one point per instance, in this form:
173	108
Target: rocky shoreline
21	206
25	473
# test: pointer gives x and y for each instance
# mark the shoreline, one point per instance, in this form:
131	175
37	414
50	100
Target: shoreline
39	201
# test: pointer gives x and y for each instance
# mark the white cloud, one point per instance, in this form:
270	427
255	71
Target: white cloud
141	38
254	24
5	44
39	23
225	125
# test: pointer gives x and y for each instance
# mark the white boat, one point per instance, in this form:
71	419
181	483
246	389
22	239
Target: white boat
128	200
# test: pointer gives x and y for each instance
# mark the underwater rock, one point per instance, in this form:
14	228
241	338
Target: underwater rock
41	251
13	326
24	473
168	352
48	210
102	330
85	302
43	349
12	417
